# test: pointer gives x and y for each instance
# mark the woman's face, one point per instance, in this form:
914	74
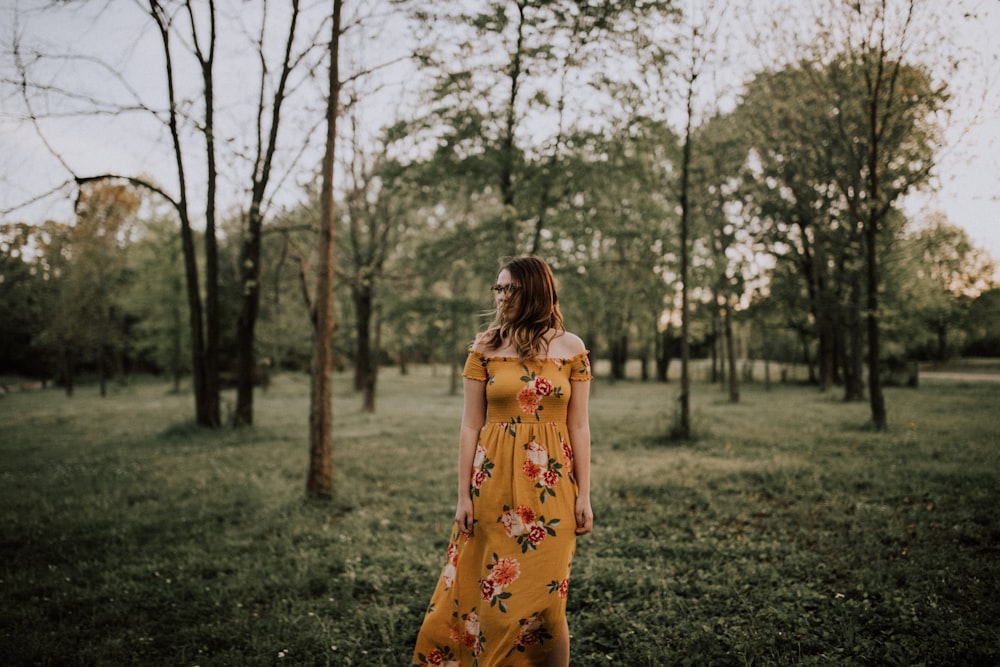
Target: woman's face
502	291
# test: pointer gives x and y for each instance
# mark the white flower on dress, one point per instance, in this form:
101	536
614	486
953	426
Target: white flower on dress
537	454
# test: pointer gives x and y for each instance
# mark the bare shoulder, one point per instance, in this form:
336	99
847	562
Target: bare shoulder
566	345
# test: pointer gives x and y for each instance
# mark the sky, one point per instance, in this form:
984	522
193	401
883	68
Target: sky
966	183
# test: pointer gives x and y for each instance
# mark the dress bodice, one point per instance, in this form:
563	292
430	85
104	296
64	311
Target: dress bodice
531	391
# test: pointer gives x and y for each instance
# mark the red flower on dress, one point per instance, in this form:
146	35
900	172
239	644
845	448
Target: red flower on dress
479	478
564	588
435	658
531	470
542	386
528	639
529	631
487	589
550	477
536	533
566	450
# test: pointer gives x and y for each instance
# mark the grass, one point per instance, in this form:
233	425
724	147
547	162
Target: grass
788	533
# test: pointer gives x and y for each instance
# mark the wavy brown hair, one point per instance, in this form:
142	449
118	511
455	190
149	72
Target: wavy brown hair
529	312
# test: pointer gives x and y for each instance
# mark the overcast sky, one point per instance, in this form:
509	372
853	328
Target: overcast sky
968	176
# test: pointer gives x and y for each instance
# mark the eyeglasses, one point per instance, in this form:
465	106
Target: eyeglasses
504	289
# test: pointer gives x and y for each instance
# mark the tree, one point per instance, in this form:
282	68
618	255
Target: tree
873	115
510	81
100	239
612	222
936	271
85	265
32	266
877	112
319	479
888	139
268	120
982	324
716	171
155	297
204	332
794	206
189	35
25	292
374	218
697	43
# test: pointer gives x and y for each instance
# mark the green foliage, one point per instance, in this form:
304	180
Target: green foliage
26	295
156	299
787	535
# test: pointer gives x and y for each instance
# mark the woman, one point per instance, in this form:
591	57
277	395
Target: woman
523	486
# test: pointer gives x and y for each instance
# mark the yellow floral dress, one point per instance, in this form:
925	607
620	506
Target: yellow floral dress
501	597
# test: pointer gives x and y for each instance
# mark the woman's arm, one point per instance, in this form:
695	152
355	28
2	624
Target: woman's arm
473	419
578	424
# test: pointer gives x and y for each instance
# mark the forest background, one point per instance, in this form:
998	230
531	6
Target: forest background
685	210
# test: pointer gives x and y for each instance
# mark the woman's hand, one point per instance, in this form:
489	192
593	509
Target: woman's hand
584	515
463	515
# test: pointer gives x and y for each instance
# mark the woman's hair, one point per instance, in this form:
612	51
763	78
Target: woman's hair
529	311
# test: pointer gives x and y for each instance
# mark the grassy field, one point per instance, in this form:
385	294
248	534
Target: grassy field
787	534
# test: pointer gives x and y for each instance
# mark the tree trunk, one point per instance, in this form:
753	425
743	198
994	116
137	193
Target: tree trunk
176	342
102	371
716	372
619	356
371	374
69	370
247	320
663	355
212	313
823	305
807	359
942	342
206	401
319	480
250	251
363	298
854	389
507	142
875	397
683	426
734	382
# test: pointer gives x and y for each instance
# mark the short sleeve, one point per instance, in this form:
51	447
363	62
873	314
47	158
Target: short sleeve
475	367
579	369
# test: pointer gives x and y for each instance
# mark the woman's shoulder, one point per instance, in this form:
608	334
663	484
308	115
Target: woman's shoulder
566	345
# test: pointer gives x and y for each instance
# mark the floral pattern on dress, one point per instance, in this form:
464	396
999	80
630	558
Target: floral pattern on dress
482	469
525	527
535	389
532	631
542	469
468	633
448	573
442	656
503	572
560	587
